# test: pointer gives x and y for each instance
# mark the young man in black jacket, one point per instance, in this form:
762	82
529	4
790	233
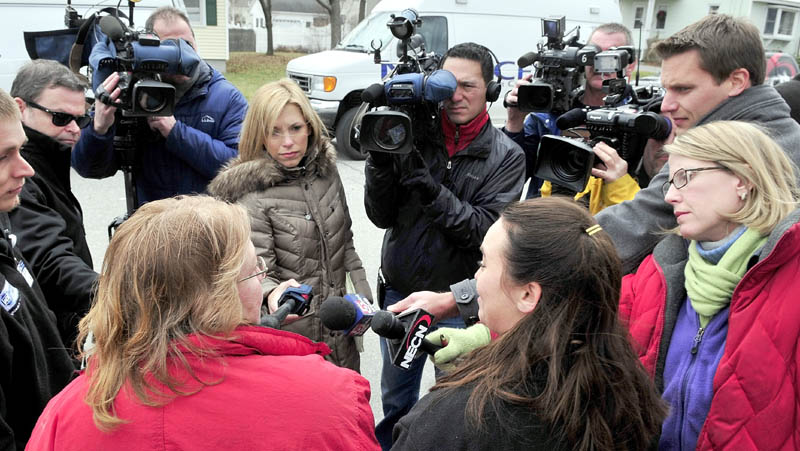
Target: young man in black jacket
34	364
49	220
437	203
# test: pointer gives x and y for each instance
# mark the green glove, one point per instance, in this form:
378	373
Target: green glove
457	342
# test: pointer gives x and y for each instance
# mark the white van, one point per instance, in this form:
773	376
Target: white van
45	15
334	79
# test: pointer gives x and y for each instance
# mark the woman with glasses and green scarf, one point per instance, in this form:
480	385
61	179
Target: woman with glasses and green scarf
714	312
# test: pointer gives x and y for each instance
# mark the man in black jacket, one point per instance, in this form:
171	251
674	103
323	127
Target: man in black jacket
49	220
34	365
437	203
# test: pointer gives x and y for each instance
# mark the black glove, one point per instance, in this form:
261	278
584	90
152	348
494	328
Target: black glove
381	159
416	176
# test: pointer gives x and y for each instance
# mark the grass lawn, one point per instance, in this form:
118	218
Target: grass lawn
249	70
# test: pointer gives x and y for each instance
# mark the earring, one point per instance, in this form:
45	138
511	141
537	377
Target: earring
743	195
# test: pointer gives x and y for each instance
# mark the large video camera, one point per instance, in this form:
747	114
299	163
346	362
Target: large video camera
558	65
408	98
140	59
568	162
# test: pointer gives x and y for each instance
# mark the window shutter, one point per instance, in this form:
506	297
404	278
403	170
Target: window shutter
211	12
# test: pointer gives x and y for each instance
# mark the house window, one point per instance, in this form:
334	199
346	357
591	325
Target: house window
779	22
661	17
713	9
637	17
196	11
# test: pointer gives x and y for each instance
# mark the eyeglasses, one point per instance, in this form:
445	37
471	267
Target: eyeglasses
294	132
261	270
683	176
61	119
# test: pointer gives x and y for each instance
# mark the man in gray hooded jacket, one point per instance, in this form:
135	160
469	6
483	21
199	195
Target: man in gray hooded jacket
712	70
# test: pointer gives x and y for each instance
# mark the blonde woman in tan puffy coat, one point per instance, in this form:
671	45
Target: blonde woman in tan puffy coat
286	178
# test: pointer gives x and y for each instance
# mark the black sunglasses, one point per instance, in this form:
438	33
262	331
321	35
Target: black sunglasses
61	119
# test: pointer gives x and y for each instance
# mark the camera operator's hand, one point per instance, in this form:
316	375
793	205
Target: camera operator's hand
381	159
161	124
613	166
107	94
275	295
516	118
440	305
416	176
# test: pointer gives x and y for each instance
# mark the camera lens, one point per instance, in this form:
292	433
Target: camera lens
152	101
389	133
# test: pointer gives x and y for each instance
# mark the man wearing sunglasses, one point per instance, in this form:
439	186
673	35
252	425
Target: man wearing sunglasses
49	220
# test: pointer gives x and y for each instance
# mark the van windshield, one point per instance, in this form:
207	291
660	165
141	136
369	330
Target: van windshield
433	29
361	37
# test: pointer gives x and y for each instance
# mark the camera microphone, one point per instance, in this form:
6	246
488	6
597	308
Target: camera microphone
406	333
527	59
112	27
572	118
350	314
374	94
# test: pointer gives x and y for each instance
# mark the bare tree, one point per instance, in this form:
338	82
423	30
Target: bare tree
334	9
362	10
266	6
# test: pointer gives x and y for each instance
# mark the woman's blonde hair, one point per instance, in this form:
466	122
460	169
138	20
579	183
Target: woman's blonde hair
171	270
749	153
264	109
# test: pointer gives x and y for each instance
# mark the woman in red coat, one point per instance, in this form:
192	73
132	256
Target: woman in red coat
714	311
177	363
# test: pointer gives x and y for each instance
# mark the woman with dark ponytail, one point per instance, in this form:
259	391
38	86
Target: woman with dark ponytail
562	374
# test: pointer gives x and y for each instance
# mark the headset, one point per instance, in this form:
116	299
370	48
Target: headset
493	87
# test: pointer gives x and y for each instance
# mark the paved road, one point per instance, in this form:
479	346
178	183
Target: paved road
102	200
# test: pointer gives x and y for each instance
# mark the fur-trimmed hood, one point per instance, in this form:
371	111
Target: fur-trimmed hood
238	178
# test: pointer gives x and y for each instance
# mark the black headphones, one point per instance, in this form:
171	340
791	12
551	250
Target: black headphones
493	87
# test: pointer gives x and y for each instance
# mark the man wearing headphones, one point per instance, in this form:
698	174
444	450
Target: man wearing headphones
437	203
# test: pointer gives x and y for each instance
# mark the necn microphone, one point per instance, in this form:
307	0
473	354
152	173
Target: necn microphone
351	314
406	333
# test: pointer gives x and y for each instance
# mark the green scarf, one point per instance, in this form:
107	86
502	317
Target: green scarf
711	286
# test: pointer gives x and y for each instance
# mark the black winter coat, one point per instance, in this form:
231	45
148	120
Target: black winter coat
429	247
49	226
34	365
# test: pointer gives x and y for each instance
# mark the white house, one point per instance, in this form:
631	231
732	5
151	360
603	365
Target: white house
776	19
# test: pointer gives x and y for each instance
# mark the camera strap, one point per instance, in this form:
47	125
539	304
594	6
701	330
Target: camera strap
76	55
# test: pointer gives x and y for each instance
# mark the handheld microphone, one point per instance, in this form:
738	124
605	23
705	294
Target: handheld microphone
350	314
112	27
296	300
406	333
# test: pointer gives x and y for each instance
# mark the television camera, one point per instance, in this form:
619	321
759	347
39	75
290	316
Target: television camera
558	67
405	104
568	161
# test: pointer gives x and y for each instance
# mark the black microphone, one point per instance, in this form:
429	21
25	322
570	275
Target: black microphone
112	27
527	59
374	94
572	118
350	314
274	320
406	333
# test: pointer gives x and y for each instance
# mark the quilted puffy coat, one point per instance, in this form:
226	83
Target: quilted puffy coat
756	401
302	227
270	389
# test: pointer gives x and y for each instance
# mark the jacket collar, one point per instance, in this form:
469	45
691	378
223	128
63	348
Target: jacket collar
459	137
238	178
257	340
47	156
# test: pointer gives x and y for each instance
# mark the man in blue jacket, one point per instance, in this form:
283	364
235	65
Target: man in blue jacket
177	154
